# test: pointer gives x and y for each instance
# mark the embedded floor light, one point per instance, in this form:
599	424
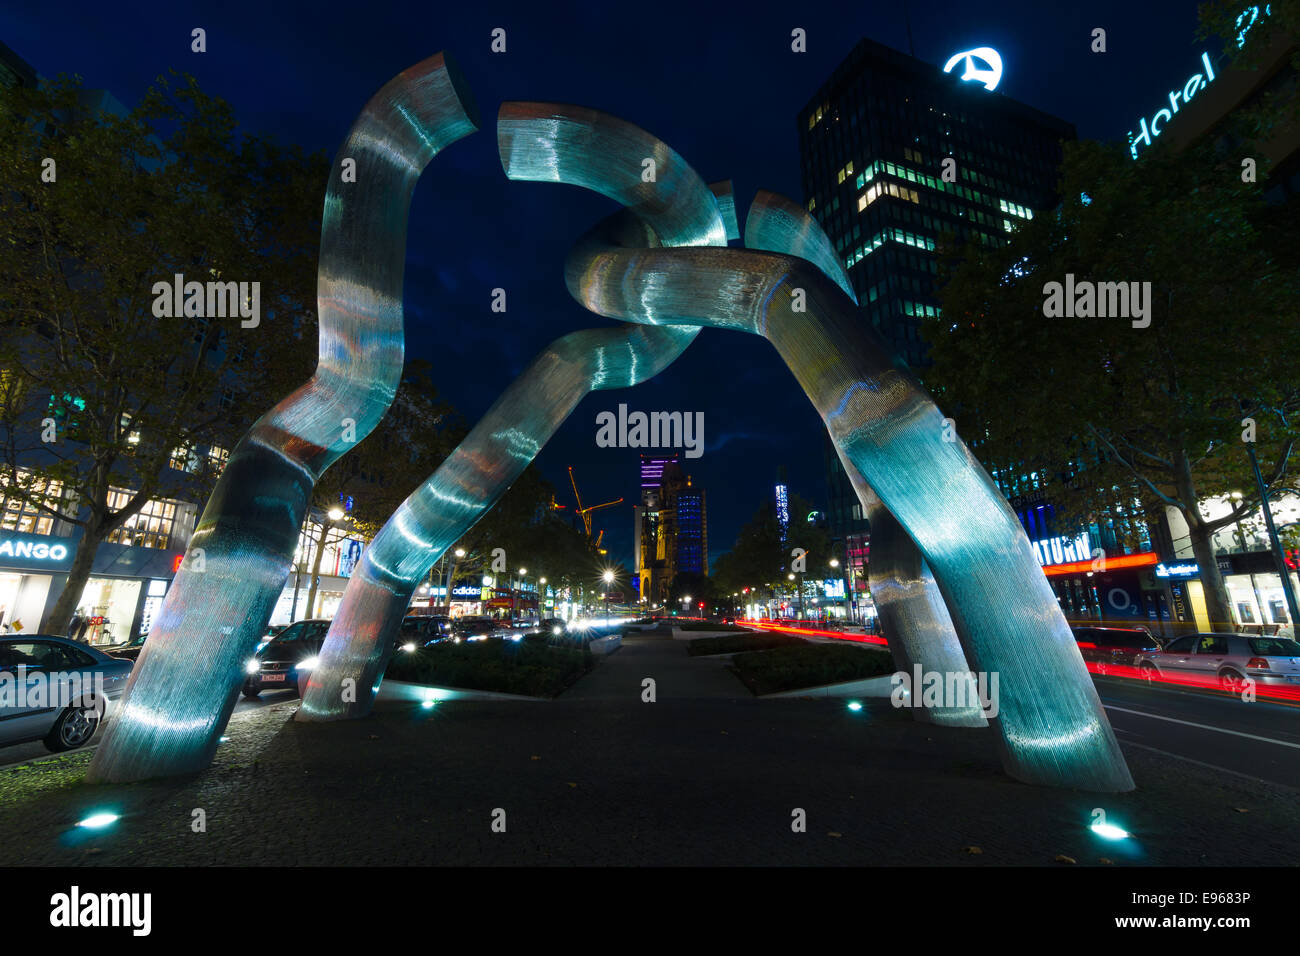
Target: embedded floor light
97	821
1109	831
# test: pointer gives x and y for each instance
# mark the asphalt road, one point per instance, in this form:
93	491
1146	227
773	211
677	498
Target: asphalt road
1259	739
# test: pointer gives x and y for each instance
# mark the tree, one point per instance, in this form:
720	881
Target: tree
759	559
1247	30
1115	417
98	394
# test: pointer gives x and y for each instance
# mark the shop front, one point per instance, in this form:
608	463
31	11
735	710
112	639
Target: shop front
29	566
118	603
1255	592
124	593
341	556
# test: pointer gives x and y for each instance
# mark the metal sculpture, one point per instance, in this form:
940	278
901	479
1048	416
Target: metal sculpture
185	683
549	143
915	619
1051	725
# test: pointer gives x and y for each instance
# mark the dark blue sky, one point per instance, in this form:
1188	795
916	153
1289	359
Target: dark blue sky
717	82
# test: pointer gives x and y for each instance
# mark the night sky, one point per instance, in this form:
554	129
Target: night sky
717	82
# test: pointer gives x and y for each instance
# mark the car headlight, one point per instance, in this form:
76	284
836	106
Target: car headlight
408	647
557	630
253	666
308	664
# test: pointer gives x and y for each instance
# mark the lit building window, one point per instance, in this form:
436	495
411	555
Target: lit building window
217	458
185	459
17	514
151	527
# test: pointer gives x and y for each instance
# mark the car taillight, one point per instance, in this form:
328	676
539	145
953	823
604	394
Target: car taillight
1092	647
1260	663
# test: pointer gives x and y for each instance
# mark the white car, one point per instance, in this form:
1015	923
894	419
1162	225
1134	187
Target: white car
1226	660
55	690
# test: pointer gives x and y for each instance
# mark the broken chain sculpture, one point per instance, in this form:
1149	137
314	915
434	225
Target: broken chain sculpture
185	683
584	148
1051	726
662	263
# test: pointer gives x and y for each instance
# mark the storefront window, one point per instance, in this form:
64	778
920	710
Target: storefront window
17	514
109	605
151	527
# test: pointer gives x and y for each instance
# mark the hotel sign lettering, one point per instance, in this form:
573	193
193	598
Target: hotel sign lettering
1148	132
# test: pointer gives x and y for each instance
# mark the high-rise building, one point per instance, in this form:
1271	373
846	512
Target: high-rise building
899	158
671	527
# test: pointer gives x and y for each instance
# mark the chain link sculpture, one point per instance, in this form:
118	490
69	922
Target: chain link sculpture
1052	728
550	143
185	683
662	265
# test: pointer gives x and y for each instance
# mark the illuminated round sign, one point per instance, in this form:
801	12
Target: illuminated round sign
990	74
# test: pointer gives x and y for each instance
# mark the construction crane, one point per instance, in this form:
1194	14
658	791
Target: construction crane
585	513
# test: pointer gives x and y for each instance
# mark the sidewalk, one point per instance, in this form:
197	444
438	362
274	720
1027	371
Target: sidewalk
614	781
656	655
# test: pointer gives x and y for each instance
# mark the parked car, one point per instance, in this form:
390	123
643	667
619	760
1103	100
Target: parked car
285	658
129	651
1105	646
1226	659
68	708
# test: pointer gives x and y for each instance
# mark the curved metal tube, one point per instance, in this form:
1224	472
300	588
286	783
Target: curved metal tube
185	683
917	623
915	619
551	143
1051	725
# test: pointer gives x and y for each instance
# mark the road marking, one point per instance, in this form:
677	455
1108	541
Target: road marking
1209	766
1188	723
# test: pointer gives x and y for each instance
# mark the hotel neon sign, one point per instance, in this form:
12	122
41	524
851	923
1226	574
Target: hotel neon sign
1194	84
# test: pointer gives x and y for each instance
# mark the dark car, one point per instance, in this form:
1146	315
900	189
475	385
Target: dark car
420	630
475	629
129	651
288	655
1113	645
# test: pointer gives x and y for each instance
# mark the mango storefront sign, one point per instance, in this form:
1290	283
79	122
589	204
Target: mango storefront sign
35	552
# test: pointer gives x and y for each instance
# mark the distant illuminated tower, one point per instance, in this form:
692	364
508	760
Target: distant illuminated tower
670	525
783	510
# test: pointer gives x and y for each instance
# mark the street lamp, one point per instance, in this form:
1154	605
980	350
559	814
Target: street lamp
609	579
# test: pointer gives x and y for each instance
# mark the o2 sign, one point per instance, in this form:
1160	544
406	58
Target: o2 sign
990	75
1161	116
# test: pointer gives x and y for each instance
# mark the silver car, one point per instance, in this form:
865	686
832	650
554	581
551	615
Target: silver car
1226	660
55	690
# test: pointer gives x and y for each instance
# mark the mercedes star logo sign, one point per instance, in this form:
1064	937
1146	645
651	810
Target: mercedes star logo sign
989	56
